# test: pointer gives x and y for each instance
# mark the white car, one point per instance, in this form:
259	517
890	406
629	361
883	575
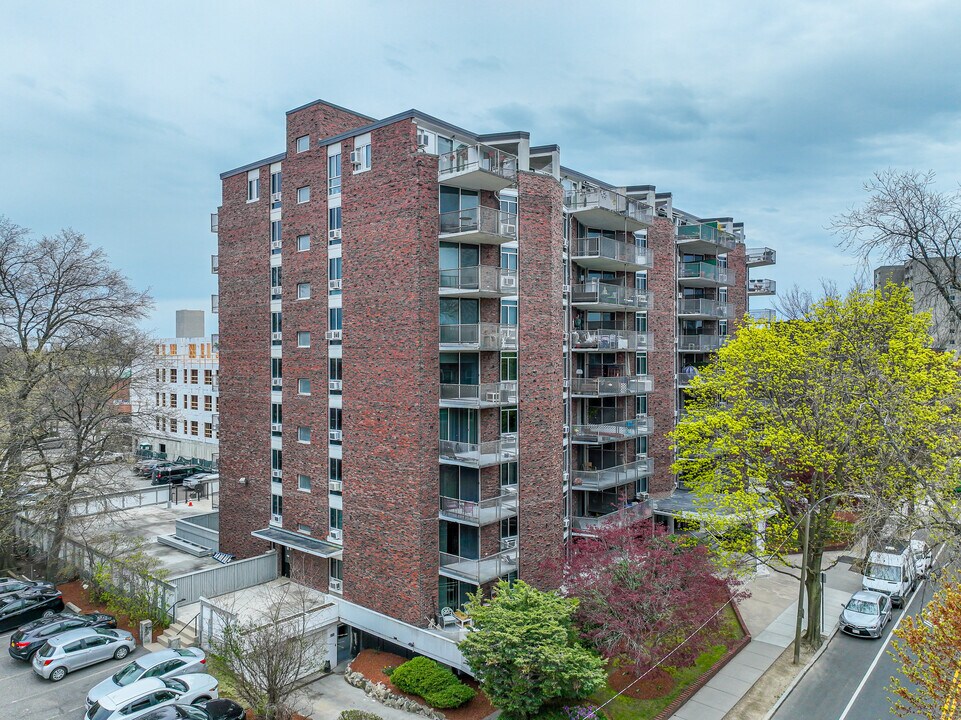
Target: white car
148	694
923	559
160	664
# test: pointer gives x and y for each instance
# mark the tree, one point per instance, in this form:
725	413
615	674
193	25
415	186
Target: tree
795	417
928	649
642	593
525	651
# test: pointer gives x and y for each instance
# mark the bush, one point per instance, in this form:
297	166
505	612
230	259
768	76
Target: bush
358	715
439	687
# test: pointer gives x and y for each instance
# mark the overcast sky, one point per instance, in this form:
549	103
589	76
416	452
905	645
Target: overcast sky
117	118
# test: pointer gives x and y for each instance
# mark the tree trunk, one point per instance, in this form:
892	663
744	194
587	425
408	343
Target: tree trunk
812	582
56	543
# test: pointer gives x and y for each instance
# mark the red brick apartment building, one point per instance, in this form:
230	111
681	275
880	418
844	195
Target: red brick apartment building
444	355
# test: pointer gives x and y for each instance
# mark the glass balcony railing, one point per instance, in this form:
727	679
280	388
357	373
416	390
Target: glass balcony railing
704	237
215	264
478	336
702	271
613	296
214	222
761	287
764	315
485	225
479	571
478	167
703	308
623	516
609	254
481	512
611	477
479	396
756	257
480	280
609	339
700	343
600	433
608	210
482	454
611	386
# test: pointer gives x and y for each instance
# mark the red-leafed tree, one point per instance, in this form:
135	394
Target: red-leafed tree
644	593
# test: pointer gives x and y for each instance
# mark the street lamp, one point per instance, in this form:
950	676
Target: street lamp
804	567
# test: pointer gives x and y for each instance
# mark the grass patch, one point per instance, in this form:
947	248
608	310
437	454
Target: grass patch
228	686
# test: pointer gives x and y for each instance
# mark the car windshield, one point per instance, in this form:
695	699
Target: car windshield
98	713
883	572
112	634
175	684
867	607
128	674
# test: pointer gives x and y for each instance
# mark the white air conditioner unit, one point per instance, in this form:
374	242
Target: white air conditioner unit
567	383
275	244
335	385
356	157
567	429
508	543
509	281
334	334
642	496
567	477
276	383
566	289
335	585
423	140
276	473
508	229
337	284
335	485
276	336
333	234
276	290
336	534
275	197
276	519
336	435
494	396
276	427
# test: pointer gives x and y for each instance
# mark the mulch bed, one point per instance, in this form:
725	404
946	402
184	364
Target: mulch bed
657	683
73	592
371	664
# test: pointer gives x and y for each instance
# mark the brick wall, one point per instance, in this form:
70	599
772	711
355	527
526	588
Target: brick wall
737	291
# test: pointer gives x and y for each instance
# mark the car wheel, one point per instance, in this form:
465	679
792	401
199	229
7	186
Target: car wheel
121	652
200	700
58	674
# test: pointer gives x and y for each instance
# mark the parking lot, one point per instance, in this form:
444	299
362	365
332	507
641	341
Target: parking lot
24	694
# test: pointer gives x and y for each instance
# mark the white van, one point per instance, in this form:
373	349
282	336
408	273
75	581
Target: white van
892	571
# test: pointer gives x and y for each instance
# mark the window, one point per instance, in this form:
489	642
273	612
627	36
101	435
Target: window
275	179
336	372
360	157
208	430
508	420
276	370
303	143
335	421
303	194
276	418
253	185
336	519
194	377
303	483
333	174
277	505
158	422
303	243
173	348
334	222
303	435
334	274
303	339
508	366
208	403
194	428
208	377
276	460
336	318
508	257
276	325
337	569
276	282
173	375
275	237
509	473
194	402
335	474
305	529
303	386
173	400
508	312
640	361
303	291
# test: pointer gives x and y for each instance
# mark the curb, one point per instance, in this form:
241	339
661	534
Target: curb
800	676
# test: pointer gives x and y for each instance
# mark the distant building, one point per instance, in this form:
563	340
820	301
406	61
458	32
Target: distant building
927	297
190	323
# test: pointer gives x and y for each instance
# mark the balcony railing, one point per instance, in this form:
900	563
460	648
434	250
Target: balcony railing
703	308
700	343
756	257
612	477
608	210
701	271
613	296
482	281
622	516
214	222
761	287
764	315
478	167
482	454
215	304
215	264
482	224
599	433
608	340
479	396
611	386
479	571
483	512
704	238
605	253
479	336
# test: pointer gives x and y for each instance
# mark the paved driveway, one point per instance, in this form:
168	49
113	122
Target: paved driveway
25	695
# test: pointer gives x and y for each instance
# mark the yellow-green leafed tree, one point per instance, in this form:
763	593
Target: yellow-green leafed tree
802	414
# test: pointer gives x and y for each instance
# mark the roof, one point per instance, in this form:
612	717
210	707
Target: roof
119	698
298	541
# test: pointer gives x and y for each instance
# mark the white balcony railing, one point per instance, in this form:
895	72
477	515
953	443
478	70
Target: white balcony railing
214	264
761	287
479	336
756	257
621	516
617	296
482	279
610	339
483	395
700	343
612	477
484	224
215	304
482	454
481	570
703	308
214	222
480	512
621	208
600	433
477	166
611	386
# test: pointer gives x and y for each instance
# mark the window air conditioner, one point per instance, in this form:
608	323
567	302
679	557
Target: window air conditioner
276	473
276	336
567	429
333	234
336	585
493	396
566	289
508	543
276	519
336	435
275	244
336	534
508	229
335	385
334	334
423	140
509	281
275	197
335	284
355	157
335	485
276	427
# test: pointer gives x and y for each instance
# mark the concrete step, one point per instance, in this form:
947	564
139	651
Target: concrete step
184	632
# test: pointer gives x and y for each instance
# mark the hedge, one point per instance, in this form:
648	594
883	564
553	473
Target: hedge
439	687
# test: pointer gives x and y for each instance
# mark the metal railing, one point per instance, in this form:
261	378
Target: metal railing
499	393
624	516
482	454
700	343
479	336
761	256
610	249
764	315
214	222
214	304
476	158
761	287
214	264
608	386
699	306
484	278
603	199
610	339
481	512
706	233
482	570
631	299
598	433
612	477
702	270
482	219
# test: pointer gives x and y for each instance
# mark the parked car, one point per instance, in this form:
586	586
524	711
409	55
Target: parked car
866	614
139	698
75	649
33	603
162	664
19	586
220	709
30	637
172	475
192	482
892	571
923	557
146	467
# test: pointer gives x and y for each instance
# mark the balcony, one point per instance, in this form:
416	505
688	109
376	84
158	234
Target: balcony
601	433
758	257
478	336
701	274
607	210
482	225
214	264
609	340
611	477
622	516
764	315
757	288
605	297
483	281
704	309
477	167
483	512
704	240
601	253
215	304
611	386
486	395
214	222
479	571
482	454
700	343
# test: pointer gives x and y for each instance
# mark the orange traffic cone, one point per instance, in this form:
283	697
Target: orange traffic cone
190	504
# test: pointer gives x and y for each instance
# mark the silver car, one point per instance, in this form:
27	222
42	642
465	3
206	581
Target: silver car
148	694
75	649
162	664
866	614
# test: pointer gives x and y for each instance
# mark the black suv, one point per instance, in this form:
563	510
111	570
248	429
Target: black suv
37	602
31	637
173	475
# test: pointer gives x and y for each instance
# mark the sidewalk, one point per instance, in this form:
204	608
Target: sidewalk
770	614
